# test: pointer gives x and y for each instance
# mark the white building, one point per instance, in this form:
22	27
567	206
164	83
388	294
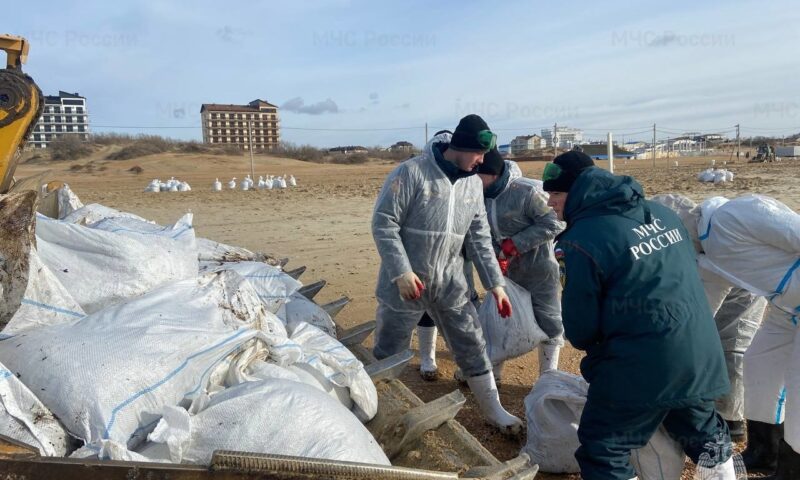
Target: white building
65	113
525	143
567	137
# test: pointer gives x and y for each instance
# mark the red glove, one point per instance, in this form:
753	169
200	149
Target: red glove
503	262
410	286
503	303
508	248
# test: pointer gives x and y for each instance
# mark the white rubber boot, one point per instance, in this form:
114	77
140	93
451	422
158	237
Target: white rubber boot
497	370
426	336
485	392
548	357
723	471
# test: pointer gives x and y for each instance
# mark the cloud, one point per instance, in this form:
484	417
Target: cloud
297	105
404	105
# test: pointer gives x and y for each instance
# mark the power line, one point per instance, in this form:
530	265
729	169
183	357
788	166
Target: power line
616	130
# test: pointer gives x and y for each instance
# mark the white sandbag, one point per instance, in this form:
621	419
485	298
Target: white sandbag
339	366
273	416
662	458
45	302
274	287
299	310
108	375
309	356
111	450
94	212
511	337
213	251
68	202
706	175
25	419
100	267
208	250
553	409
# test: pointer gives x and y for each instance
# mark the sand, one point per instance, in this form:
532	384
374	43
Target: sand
324	223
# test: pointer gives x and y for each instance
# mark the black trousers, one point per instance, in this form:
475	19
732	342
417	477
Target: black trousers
608	434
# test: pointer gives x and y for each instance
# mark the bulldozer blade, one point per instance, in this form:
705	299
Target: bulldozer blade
311	291
390	367
357	334
518	468
33	183
419	420
335	306
14	448
17	238
297	272
282	466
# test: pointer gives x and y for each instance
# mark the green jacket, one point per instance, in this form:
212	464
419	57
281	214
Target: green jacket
633	299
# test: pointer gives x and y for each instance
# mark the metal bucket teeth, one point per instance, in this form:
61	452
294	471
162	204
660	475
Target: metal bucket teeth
357	334
311	291
419	420
518	468
296	272
390	367
335	306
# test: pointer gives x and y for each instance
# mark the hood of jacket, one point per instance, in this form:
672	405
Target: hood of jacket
597	192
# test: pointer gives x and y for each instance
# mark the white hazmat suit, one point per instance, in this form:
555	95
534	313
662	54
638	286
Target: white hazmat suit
421	220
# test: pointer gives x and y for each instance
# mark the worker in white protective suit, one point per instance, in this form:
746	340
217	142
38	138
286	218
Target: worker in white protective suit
737	314
754	242
428	209
523	228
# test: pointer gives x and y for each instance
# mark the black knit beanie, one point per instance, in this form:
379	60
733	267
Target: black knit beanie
493	163
572	163
465	138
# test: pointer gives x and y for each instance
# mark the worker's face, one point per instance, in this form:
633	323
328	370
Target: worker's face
469	161
487	179
556	202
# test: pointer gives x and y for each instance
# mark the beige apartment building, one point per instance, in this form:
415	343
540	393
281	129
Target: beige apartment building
256	123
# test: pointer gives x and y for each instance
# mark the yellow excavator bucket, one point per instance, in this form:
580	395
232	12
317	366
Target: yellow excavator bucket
20	106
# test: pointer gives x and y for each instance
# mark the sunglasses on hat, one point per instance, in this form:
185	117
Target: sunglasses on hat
487	139
551	172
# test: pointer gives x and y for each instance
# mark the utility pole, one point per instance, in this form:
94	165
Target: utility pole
426	133
554	137
250	137
654	145
738	142
610	152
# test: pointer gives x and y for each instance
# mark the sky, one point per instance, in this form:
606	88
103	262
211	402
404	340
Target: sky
374	73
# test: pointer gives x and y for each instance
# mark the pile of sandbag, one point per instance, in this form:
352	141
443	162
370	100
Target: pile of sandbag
171	185
140	340
712	175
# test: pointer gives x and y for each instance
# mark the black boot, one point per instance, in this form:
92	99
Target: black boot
736	427
788	464
763	440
